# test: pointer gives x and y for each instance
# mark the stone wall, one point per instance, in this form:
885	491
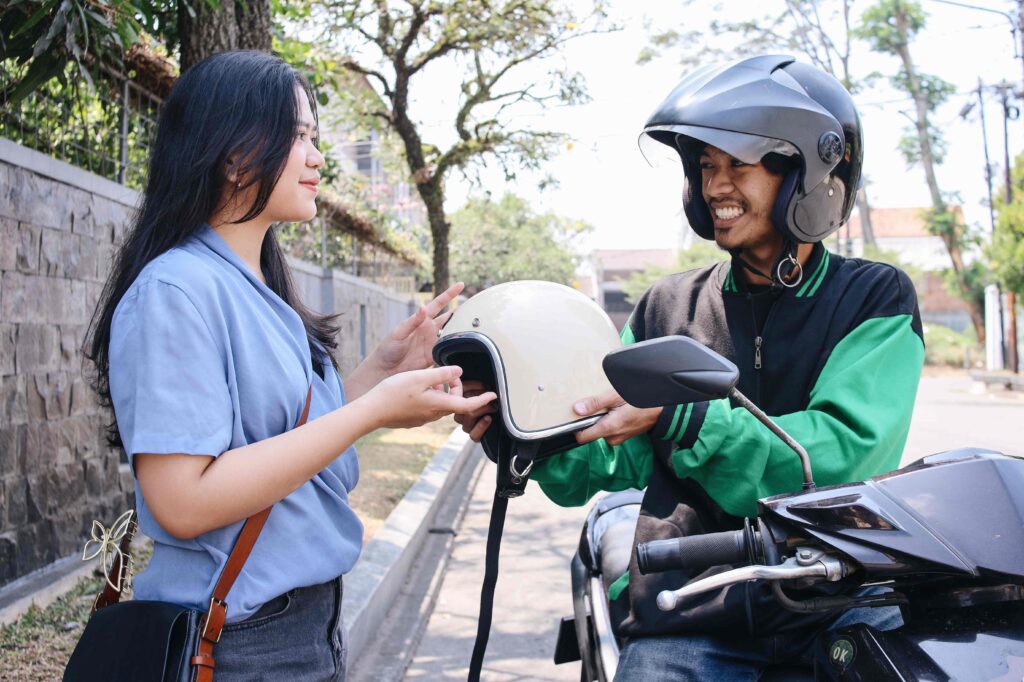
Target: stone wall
58	225
56	471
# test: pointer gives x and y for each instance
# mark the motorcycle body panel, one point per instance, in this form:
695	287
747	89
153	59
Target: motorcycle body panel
925	516
859	653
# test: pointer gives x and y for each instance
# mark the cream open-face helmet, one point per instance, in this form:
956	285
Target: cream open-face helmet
540	346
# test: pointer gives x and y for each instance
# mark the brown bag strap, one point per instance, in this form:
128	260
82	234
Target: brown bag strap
216	614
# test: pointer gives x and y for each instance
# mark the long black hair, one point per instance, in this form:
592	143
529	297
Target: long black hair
237	106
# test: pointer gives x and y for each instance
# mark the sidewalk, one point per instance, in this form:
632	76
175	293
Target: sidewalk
533	594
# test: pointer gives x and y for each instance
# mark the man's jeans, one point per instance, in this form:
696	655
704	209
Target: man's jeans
675	658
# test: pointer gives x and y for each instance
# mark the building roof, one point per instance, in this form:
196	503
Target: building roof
896	222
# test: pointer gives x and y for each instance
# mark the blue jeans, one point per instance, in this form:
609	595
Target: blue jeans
677	658
297	636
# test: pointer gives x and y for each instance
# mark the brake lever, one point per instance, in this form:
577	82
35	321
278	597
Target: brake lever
821	566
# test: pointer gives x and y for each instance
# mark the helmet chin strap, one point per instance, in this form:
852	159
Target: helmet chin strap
782	271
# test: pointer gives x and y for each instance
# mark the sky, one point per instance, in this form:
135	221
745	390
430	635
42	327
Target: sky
605	181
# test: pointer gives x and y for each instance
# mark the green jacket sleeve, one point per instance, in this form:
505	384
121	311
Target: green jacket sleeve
571	478
854	427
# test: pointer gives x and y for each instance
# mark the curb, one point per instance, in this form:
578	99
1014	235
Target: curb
42	587
374	584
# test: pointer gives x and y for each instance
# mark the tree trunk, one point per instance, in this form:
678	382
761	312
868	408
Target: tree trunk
231	25
951	240
429	186
432	193
253	20
212	30
864	208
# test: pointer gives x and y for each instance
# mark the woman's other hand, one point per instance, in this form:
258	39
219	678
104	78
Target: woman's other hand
413	398
476	423
622	421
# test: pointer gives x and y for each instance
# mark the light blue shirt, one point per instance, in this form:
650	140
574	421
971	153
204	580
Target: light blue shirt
205	358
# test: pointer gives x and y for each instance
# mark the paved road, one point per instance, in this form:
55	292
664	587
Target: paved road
540	539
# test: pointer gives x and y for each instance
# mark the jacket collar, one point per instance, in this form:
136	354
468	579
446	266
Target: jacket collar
815	271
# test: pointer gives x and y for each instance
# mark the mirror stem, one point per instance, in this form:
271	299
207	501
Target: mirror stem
805	460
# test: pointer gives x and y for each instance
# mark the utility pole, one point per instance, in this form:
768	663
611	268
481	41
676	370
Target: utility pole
984	146
1005	90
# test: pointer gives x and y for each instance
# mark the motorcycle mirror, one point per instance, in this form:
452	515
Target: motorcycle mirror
669	371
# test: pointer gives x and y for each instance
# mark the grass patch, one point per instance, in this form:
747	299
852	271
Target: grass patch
38	645
390	461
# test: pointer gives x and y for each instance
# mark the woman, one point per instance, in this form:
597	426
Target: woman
206	355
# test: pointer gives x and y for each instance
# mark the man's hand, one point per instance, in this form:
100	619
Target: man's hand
621	423
475	423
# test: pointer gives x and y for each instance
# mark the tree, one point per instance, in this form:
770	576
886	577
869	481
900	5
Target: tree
45	35
888	27
393	43
697	255
1007	248
495	242
799	27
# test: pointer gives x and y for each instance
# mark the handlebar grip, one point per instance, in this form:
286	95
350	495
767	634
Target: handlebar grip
695	551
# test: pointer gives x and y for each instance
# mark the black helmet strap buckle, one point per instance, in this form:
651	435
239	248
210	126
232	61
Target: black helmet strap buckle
789	262
519	476
782	274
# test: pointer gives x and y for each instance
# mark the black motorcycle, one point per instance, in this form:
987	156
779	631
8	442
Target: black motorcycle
944	536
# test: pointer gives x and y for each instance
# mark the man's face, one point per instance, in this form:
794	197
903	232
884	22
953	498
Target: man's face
740	196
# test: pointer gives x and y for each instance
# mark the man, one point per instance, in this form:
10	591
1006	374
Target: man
830	348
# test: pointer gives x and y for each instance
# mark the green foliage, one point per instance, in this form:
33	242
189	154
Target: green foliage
879	25
970	283
390	44
909	145
45	35
946	347
1007	248
697	255
495	242
935	88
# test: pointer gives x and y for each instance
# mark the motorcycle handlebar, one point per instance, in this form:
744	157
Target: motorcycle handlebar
694	552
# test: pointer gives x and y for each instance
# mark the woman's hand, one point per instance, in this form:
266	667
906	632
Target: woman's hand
407	347
622	422
413	398
475	423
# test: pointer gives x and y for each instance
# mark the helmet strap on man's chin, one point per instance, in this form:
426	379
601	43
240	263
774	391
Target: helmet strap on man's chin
786	273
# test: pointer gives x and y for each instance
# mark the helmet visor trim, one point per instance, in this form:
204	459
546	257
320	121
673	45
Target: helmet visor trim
502	390
743	146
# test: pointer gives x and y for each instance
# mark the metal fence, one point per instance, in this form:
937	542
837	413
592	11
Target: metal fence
107	129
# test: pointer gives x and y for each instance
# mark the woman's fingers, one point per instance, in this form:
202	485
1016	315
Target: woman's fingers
458	405
434	376
407	326
443	299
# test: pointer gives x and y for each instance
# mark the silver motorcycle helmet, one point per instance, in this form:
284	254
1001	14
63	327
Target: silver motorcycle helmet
540	346
757	106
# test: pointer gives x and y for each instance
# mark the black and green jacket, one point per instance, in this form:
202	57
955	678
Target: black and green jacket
834	361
